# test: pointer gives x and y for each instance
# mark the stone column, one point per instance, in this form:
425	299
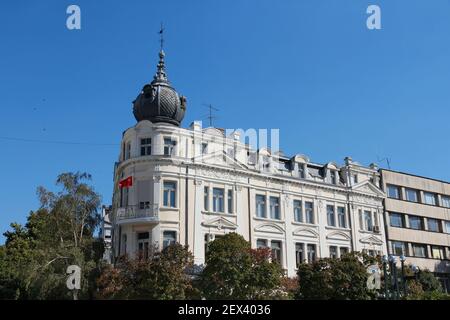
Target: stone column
290	246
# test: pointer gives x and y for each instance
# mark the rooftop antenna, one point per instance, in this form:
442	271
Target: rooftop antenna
388	161
161	36
210	116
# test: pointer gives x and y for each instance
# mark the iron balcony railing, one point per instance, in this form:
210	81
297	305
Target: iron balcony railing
147	212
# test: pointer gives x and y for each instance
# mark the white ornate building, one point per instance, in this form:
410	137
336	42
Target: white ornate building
192	185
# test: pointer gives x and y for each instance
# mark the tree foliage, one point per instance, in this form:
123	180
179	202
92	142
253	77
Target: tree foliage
337	279
34	259
235	271
162	276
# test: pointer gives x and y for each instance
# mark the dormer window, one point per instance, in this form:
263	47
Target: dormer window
354	178
169	146
301	171
333	177
146	146
204	148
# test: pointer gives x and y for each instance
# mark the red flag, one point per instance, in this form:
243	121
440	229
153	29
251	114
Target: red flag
125	183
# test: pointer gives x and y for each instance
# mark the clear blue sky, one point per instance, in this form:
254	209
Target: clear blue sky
310	68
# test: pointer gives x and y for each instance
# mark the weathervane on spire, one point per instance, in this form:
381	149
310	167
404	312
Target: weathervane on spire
161	36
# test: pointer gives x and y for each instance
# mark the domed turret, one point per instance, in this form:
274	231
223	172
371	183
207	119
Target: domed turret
158	101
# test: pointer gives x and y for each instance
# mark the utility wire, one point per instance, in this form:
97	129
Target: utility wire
58	142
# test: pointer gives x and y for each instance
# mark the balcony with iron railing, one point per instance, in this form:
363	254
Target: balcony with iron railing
148	213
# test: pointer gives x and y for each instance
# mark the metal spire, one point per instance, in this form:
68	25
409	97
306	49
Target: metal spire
161	68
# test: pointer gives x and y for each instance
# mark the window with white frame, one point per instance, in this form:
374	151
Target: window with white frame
301	170
128	151
146	146
299	253
261	243
309	212
260	206
333	252
206	199
333	177
169	146
368	222
276	251
230	201
330	216
298	217
218	200
341	217
169	194
275	208
204	148
311	252
169	238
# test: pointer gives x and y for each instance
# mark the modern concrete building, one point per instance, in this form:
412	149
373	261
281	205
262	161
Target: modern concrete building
417	215
193	185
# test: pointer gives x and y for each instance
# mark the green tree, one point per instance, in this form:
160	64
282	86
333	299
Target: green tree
162	276
337	279
35	257
235	271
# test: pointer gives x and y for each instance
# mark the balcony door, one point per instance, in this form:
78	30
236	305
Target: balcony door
143	244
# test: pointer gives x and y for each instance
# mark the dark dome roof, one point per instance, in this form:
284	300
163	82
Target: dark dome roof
158	101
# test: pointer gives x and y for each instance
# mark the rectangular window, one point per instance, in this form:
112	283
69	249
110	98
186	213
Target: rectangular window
298	211
333	252
393	191
333	177
330	216
275	208
301	171
260	206
447	226
128	152
399	248
218	199
396	220
445	201
368	220
309	212
204	148
311	251
146	146
261	243
343	251
429	198
354	179
341	217
299	254
433	225
419	250
276	251
415	222
144	205
411	195
169	194
169	146
230	201
206	199
169	237
437	252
